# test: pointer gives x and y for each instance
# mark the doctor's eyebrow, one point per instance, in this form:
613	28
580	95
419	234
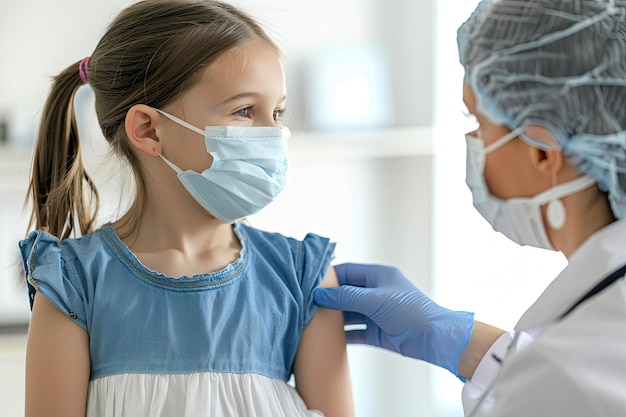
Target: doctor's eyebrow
465	106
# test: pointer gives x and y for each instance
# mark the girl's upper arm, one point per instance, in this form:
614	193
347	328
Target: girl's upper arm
57	363
321	365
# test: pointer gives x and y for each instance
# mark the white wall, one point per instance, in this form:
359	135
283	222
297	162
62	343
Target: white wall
39	38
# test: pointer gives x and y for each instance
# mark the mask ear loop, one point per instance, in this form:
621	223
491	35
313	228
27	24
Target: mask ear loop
170	163
555	211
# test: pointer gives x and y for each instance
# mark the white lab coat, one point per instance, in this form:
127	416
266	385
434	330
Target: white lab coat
575	367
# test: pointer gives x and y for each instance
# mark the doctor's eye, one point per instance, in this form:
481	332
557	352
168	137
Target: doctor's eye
278	114
469	115
245	112
472	121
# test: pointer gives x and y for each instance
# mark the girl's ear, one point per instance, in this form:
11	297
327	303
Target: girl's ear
141	129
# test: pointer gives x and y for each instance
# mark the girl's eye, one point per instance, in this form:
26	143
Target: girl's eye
245	112
278	114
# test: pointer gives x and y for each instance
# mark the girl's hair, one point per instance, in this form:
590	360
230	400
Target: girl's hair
151	54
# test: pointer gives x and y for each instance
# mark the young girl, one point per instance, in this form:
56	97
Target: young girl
177	308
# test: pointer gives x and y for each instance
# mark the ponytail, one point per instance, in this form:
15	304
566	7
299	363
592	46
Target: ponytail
63	196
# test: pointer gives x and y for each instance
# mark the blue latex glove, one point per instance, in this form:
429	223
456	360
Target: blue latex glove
399	317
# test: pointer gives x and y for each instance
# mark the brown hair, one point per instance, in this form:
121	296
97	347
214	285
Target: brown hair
150	54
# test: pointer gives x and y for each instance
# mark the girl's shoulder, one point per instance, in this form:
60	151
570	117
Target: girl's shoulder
305	261
312	243
41	245
56	268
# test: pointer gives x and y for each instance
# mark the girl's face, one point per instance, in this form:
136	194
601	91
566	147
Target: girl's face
509	171
243	87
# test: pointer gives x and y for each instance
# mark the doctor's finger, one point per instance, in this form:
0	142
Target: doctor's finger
346	298
354	274
351	317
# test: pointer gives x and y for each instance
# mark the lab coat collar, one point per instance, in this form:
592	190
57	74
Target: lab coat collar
601	254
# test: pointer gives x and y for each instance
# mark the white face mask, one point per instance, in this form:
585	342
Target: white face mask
519	219
248	172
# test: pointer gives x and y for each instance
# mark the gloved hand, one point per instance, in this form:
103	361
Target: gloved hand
399	317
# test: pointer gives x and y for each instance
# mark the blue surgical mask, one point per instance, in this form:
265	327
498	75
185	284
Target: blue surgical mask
248	172
519	219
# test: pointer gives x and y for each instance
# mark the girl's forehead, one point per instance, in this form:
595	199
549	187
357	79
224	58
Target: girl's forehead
246	74
244	58
252	69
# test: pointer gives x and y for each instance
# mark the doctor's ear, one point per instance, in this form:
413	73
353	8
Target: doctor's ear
548	162
141	129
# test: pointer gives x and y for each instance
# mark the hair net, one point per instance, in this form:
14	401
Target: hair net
560	65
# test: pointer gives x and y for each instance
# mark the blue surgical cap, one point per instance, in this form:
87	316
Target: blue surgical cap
560	65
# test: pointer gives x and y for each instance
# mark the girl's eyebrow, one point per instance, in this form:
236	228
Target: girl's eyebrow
246	95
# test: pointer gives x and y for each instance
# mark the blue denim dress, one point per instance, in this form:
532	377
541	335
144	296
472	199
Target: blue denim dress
216	344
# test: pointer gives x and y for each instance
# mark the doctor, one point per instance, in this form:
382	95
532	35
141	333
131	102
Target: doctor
546	81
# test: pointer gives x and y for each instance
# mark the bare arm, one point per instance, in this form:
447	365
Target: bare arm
321	365
483	336
57	363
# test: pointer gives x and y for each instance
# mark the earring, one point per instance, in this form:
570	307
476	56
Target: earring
556	210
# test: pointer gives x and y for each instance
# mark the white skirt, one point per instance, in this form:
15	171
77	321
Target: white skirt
194	395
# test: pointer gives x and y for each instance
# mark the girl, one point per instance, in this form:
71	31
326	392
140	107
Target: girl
176	308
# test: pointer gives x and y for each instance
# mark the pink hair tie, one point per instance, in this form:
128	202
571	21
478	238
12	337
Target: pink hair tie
83	67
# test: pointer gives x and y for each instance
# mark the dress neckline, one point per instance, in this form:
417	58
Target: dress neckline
200	281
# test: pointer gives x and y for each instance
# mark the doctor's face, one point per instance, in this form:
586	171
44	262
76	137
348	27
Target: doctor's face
509	171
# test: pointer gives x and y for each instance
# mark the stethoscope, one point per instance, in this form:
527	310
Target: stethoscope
599	287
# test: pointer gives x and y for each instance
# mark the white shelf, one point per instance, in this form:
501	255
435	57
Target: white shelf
304	149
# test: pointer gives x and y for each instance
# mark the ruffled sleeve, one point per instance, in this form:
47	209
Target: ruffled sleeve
313	258
48	271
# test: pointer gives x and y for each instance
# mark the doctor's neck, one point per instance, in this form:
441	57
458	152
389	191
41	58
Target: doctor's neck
587	212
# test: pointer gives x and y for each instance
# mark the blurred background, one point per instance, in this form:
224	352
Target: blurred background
377	165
